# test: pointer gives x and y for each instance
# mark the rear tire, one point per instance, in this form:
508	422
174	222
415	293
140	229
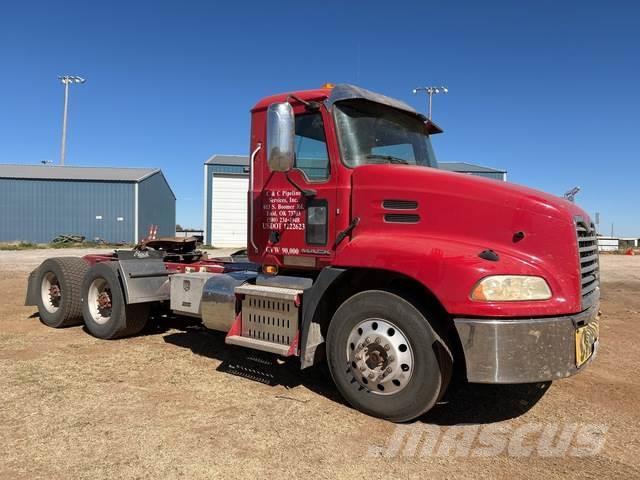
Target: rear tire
58	283
104	309
384	356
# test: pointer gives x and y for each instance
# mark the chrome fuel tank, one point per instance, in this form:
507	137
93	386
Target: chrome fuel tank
218	306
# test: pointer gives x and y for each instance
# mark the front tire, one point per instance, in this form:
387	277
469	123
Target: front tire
104	309
383	356
58	282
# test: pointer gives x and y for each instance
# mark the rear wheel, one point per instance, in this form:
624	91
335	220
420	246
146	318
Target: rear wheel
59	281
104	309
383	356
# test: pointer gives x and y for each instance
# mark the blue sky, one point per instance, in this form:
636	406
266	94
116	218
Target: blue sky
548	90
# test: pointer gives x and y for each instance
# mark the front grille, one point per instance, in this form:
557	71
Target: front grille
588	254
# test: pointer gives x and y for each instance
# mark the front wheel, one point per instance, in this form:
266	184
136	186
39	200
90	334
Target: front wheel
384	356
104	309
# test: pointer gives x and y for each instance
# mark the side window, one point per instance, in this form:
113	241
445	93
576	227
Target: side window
311	146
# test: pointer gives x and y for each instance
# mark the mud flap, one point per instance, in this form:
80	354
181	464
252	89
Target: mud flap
31	298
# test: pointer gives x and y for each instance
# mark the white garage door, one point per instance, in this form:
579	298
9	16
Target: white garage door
229	211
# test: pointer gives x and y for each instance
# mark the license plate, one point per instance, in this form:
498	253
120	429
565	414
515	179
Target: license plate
586	338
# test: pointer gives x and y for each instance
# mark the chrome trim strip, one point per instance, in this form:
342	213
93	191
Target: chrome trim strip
251	170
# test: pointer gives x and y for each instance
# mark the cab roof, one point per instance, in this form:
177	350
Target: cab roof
344	91
318	95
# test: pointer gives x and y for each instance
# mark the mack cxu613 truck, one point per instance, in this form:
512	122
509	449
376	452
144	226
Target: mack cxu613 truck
363	254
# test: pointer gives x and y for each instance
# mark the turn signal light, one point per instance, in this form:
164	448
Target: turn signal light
328	85
270	269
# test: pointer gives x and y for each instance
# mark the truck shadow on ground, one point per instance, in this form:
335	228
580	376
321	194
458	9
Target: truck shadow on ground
479	404
463	402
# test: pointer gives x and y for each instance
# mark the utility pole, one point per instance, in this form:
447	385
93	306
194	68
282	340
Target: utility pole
66	80
431	91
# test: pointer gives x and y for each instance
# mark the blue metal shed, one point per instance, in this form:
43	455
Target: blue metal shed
38	203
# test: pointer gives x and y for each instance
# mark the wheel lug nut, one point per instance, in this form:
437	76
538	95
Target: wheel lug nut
378	340
387	347
388	370
367	340
359	357
391	359
371	375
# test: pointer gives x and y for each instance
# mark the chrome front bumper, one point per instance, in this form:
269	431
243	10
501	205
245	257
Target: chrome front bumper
522	350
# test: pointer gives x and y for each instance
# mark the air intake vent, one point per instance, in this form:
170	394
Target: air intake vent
400	204
401	218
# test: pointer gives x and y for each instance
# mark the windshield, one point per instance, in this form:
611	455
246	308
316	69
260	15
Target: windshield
373	133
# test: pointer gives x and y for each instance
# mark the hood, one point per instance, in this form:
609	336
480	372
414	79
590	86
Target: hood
477	201
533	232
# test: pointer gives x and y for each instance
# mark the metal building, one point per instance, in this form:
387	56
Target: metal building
38	203
472	169
226	186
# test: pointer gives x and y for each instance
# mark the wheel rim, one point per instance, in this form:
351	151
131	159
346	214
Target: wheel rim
99	301
379	356
50	292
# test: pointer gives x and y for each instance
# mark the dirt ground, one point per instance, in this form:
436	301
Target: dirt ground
165	404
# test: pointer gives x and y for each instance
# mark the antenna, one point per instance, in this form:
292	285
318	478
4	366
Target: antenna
571	194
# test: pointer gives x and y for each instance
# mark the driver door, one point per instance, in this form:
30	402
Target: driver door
305	239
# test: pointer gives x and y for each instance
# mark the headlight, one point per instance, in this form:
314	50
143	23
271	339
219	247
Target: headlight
510	288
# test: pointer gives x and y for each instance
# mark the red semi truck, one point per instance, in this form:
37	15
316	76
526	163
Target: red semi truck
363	254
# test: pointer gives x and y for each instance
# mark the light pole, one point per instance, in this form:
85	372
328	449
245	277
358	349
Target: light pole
431	91
66	80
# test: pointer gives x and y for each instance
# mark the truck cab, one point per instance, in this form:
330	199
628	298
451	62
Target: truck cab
365	255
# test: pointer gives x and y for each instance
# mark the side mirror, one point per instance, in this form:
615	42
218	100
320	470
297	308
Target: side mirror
280	137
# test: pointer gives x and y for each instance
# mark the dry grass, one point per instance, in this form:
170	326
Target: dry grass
18	246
